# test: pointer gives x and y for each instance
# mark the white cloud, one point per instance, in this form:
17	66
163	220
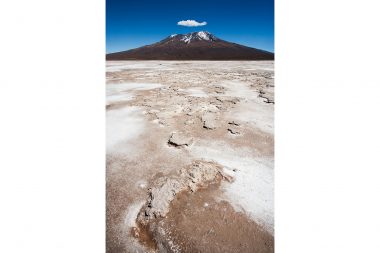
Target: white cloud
191	23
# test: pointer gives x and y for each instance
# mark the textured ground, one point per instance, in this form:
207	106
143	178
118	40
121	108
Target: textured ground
190	156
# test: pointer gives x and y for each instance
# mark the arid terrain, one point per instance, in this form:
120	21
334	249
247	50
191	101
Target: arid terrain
190	156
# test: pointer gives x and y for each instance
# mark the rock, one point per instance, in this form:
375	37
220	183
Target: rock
234	123
160	198
209	121
233	131
198	174
266	99
209	124
178	140
228	100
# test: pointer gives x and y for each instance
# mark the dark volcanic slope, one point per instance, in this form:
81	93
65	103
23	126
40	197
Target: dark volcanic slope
192	46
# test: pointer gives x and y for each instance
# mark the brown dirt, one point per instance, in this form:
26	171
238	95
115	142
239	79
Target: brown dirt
144	236
199	223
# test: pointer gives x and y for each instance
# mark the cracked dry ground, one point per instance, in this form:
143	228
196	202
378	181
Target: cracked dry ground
190	155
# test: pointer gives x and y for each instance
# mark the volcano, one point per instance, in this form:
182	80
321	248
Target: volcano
192	46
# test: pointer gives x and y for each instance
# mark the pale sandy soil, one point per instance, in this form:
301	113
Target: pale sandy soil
190	156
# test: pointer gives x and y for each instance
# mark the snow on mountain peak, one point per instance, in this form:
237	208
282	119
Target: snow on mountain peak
173	35
187	38
202	35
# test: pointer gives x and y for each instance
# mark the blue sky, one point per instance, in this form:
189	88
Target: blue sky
131	24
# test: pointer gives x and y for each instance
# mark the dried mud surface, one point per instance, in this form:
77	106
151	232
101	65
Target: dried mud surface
190	156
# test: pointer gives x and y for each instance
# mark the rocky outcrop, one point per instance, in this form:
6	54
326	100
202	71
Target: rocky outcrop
179	140
233	130
198	174
209	121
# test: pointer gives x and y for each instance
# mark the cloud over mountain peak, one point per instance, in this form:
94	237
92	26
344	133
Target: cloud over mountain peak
191	23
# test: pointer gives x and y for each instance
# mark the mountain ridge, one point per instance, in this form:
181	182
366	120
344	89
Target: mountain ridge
200	45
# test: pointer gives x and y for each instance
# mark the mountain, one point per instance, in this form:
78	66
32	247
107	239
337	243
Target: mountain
192	46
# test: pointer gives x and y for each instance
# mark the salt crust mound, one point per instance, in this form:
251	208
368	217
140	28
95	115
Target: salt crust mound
199	174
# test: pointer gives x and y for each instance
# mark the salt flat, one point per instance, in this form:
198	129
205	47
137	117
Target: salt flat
221	115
